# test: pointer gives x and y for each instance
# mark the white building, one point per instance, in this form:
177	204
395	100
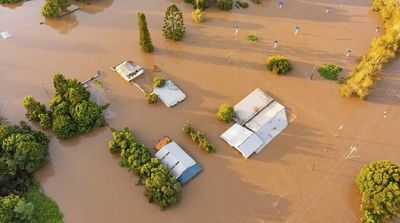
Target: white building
259	120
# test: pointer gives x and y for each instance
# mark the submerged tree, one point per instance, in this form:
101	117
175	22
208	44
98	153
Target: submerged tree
379	184
144	34
53	8
173	24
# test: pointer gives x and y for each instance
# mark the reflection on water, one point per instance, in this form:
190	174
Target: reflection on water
94	6
63	25
69	22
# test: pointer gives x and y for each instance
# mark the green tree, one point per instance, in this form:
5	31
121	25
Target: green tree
161	187
174	27
144	34
15	209
33	108
225	112
200	4
54	8
64	127
278	64
379	184
159	82
225	5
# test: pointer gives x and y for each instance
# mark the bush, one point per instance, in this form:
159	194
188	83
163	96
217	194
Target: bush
152	98
381	51
256	1
72	112
278	64
54	8
329	71
158	82
199	137
252	37
225	112
161	186
379	184
174	27
198	16
225	5
144	34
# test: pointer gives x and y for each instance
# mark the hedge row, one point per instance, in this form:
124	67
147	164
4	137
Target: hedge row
161	186
199	137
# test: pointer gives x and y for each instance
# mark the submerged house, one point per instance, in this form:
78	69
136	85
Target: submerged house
182	166
259	119
169	94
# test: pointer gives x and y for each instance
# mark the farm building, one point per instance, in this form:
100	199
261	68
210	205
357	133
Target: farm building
259	119
182	166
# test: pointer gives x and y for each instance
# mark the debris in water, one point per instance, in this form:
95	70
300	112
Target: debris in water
5	35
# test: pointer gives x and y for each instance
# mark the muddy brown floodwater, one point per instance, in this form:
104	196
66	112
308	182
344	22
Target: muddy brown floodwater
276	185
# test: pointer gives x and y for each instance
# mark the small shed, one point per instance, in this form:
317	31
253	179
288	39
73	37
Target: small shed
169	94
259	120
182	166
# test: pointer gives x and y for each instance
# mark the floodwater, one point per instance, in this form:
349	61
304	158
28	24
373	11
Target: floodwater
276	185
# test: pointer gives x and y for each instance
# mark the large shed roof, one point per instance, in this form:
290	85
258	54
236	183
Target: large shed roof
251	105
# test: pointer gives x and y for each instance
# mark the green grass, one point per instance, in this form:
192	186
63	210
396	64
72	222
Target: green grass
45	209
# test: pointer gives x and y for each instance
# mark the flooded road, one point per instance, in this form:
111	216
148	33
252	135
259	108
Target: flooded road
276	185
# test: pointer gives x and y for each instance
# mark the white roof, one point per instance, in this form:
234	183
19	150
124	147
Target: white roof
247	108
244	140
5	35
175	158
169	94
128	70
264	116
236	135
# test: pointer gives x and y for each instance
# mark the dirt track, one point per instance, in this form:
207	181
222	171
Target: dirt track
277	185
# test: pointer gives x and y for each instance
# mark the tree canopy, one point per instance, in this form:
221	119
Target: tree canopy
174	27
379	184
72	112
161	186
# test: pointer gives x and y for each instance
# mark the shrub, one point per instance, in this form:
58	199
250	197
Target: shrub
381	51
54	8
72	111
174	27
198	16
278	64
252	37
158	82
161	186
329	71
379	184
152	98
225	5
144	34
225	112
256	1
199	137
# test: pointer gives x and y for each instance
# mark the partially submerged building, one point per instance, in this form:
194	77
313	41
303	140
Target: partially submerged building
182	166
169	94
259	119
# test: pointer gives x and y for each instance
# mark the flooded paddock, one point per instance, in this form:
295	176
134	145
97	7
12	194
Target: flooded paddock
277	185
